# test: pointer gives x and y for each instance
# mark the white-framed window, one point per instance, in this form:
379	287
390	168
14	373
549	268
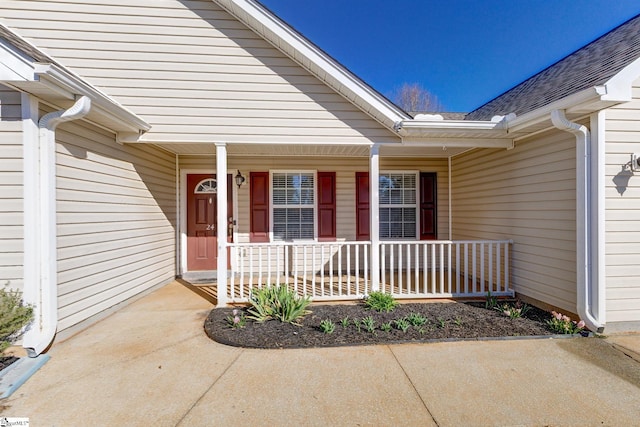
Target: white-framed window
293	197
398	205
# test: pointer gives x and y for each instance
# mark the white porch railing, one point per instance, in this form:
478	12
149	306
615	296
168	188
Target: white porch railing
444	268
341	270
321	270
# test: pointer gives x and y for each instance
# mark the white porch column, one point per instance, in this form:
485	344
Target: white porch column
374	216
221	221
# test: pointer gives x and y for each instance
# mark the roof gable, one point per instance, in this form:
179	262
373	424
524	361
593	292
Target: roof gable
593	65
266	24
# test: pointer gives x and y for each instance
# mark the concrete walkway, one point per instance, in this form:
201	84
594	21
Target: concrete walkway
150	364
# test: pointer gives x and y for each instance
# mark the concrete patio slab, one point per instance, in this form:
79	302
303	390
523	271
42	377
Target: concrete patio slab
313	387
151	363
629	344
566	382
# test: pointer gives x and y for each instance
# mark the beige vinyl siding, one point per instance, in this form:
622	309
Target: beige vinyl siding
116	220
192	71
11	190
345	169
622	213
526	194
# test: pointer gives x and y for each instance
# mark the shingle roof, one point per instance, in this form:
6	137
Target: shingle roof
24	46
589	66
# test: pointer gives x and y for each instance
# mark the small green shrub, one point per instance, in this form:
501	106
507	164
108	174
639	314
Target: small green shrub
327	326
385	327
368	323
441	322
277	302
416	319
345	322
379	301
403	324
14	316
356	323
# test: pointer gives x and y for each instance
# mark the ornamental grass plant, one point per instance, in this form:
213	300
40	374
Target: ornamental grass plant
279	303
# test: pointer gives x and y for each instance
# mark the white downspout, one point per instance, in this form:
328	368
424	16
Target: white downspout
41	334
598	139
584	218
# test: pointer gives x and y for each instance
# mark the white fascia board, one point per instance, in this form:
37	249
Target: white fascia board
103	104
409	127
14	64
619	87
455	133
459	142
301	50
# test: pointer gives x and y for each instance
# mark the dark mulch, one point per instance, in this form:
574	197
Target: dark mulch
5	361
445	321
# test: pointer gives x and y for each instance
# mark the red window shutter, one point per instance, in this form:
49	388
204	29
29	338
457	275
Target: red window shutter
259	206
428	217
326	205
362	206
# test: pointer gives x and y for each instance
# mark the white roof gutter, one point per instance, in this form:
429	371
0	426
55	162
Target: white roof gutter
580	103
407	128
586	283
26	68
44	288
70	86
432	130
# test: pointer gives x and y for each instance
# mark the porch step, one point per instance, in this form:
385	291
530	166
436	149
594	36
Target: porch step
200	277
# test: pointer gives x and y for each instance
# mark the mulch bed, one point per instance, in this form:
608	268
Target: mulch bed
445	321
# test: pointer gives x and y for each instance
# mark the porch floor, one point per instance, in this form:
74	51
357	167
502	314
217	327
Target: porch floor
350	287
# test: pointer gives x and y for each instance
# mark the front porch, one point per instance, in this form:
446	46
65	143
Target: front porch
337	222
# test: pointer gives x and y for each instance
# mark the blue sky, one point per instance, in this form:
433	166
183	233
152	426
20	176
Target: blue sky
466	52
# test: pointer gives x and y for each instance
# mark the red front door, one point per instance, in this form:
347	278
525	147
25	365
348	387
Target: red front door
202	233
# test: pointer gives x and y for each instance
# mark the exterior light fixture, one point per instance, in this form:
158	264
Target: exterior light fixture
635	162
239	179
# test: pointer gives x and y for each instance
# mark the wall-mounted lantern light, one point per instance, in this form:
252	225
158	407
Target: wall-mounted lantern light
239	179
635	162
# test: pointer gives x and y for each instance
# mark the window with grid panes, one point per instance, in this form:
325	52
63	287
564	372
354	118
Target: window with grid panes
398	205
293	201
